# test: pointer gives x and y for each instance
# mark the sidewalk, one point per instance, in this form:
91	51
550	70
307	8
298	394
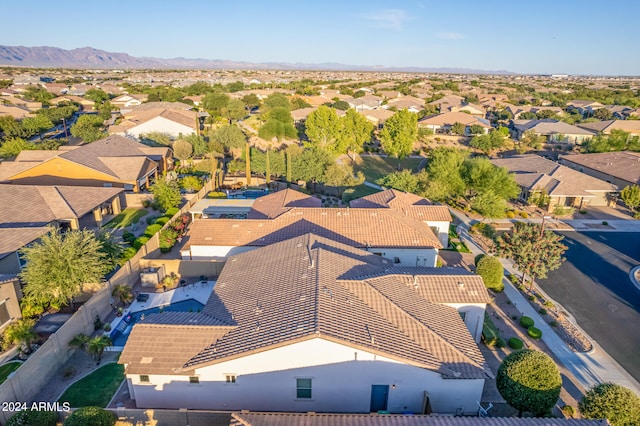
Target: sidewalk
588	368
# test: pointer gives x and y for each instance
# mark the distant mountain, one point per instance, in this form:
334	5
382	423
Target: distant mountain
88	57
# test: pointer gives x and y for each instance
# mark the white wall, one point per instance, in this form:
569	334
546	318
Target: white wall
474	317
408	257
162	125
213	252
443	231
266	381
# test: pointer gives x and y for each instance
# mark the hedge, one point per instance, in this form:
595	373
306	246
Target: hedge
152	229
91	416
171	212
526	322
515	343
477	258
35	418
162	220
140	241
534	332
490	333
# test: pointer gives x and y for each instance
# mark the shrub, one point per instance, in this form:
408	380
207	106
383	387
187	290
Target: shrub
583	211
140	241
91	416
33	418
146	203
542	311
167	239
162	220
548	304
490	333
515	343
614	402
526	322
151	219
477	259
128	237
524	214
568	411
534	332
152	229
513	278
491	270
171	212
511	214
554	323
215	194
127	254
605	223
500	343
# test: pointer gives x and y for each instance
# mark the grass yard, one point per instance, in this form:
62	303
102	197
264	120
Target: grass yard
363	191
95	389
7	369
125	218
374	167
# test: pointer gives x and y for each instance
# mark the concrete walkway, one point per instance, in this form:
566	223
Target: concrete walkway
590	368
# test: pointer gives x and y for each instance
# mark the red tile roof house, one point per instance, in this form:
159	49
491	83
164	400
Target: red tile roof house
310	324
391	223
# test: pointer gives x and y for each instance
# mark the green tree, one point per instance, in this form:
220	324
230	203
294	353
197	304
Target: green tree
13	146
123	293
235	86
214	103
530	140
488	142
251	101
21	333
342	175
94	416
613	402
322	127
36	125
11	127
492	272
156	139
534	251
354	132
399	133
276	100
191	183
60	264
198	144
458	129
603	114
630	195
97	345
480	176
37	93
529	381
182	150
80	341
110	246
309	164
229	136
403	180
98	96
105	109
88	128
298	103
166	193
33	418
279	125
234	110
444	171
539	197
247	159
476	129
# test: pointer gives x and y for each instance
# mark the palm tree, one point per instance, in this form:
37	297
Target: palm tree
79	341
123	293
97	345
21	332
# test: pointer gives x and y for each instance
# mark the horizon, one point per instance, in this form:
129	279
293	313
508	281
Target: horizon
501	37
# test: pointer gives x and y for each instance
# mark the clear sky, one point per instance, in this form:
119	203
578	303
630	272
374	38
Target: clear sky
535	36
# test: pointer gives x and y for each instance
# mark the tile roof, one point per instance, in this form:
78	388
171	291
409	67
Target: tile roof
36	205
623	165
409	204
450	118
137	117
316	292
176	106
629	126
331	419
535	172
277	203
13	239
37	155
550	127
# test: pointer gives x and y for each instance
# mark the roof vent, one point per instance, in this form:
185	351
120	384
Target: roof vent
302	298
146	360
460	285
415	282
257	325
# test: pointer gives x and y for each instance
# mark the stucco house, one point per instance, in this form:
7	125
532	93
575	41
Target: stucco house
409	235
619	168
444	122
114	161
605	127
552	130
128	101
564	186
172	122
332	328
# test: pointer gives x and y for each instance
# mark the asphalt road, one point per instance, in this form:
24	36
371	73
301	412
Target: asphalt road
594	286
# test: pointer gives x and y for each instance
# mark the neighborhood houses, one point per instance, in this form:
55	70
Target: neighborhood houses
270	247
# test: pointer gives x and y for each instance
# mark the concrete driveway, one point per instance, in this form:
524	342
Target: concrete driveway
594	286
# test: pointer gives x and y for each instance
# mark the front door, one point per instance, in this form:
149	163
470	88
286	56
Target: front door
379	396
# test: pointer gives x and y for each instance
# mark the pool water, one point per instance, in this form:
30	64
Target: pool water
120	334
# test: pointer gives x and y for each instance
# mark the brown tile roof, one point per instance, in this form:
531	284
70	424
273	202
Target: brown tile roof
176	106
330	419
535	172
12	239
277	203
307	297
623	165
450	118
409	204
38	155
34	205
133	119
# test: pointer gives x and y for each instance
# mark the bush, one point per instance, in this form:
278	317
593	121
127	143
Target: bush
171	212
477	259
616	403
605	223
152	229
542	311
33	418
534	332
554	323
216	194
526	322
146	203
515	343
162	220
140	241
524	214
127	254
491	270
511	214
500	343
128	237
548	304
91	416
513	278
167	239
490	334
151	219
569	411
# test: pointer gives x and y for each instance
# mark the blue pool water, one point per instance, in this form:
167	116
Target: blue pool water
120	334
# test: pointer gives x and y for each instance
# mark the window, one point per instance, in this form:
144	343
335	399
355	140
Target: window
230	378
303	388
194	379
144	378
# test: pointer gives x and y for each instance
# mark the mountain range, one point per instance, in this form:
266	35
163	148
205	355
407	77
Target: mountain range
90	58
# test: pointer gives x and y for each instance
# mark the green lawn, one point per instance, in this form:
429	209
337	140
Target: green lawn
125	218
7	369
363	191
375	167
95	389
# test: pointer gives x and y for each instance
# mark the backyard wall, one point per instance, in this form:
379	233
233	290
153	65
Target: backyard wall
42	366
186	268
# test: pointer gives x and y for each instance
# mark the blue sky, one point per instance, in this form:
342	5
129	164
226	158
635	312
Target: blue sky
537	36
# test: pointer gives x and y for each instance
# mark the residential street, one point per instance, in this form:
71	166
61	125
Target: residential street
594	286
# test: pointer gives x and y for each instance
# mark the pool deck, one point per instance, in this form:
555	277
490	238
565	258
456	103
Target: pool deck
199	290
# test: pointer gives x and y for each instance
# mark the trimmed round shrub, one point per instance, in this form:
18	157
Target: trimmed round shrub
511	214
128	237
151	219
162	220
152	229
501	342
529	381
171	212
614	402
534	332
33	418
140	241
524	214
526	322
491	270
515	343
569	411
127	254
477	258
91	416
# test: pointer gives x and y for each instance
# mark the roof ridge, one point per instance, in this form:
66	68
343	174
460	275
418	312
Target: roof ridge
45	192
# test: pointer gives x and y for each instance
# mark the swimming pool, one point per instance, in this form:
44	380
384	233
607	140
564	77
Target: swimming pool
120	334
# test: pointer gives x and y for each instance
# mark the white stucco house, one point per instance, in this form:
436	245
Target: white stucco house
312	325
169	121
405	228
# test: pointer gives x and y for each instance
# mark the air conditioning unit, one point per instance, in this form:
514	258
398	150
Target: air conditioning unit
151	277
